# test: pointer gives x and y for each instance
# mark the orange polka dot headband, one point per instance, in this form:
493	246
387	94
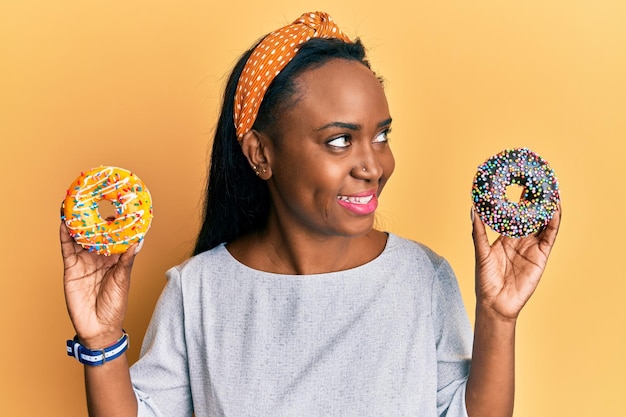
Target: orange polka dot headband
270	56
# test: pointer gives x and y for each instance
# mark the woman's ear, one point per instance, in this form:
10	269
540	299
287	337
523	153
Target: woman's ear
255	147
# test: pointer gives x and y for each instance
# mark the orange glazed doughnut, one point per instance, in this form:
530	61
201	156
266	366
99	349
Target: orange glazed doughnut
130	199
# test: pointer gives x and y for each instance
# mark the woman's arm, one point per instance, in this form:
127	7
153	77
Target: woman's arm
507	274
96	293
491	384
109	390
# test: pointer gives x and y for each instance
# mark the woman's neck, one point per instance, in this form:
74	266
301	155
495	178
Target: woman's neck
273	250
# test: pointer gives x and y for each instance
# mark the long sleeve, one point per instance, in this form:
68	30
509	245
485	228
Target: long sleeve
453	337
160	377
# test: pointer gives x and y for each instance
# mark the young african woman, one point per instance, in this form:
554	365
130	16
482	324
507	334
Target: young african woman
293	303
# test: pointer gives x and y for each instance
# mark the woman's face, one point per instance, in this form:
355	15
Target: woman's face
333	158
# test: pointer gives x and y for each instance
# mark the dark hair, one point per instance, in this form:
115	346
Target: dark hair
236	200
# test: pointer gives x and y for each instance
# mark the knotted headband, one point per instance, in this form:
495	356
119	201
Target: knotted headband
269	57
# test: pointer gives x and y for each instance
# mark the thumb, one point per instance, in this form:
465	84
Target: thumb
479	235
127	259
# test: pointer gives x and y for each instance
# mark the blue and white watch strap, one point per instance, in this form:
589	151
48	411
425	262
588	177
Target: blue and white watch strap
97	357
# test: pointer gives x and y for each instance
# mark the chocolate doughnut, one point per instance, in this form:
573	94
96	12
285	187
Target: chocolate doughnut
539	200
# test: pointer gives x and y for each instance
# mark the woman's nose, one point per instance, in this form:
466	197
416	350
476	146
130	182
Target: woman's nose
367	165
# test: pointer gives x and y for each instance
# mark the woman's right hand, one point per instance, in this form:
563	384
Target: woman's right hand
96	291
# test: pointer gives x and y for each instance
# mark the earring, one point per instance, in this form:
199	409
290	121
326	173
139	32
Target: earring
256	170
364	169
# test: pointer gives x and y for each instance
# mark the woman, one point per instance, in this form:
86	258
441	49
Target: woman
294	305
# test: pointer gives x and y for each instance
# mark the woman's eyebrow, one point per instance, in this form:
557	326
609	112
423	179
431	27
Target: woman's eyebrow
343	125
352	126
385	122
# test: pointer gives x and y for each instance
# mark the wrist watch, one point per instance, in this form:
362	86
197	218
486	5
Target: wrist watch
100	356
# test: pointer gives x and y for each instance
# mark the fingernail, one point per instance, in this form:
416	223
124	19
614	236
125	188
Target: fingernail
472	214
138	247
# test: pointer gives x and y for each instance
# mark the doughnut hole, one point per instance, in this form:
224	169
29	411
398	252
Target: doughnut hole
514	192
106	210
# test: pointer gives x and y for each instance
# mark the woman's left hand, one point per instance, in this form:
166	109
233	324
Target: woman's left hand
509	270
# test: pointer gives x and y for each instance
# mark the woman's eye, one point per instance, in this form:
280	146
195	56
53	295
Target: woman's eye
339	142
382	137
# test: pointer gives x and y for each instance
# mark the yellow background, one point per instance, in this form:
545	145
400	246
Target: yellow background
137	84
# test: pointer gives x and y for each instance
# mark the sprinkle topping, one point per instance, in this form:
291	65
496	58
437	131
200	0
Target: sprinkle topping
131	202
539	200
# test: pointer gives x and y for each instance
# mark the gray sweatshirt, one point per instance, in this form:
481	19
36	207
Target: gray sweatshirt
388	338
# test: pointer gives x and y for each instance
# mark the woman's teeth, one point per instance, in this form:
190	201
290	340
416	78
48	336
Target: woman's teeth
356	200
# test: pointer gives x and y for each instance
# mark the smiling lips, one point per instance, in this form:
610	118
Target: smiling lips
359	204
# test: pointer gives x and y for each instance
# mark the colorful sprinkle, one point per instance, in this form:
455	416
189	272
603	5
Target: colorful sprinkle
127	194
539	200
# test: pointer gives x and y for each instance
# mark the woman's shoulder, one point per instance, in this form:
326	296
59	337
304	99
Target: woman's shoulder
216	257
412	249
424	262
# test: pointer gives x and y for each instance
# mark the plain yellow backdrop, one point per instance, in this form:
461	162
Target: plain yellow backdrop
137	84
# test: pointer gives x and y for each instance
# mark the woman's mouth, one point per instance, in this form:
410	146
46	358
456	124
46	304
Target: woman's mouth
359	204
